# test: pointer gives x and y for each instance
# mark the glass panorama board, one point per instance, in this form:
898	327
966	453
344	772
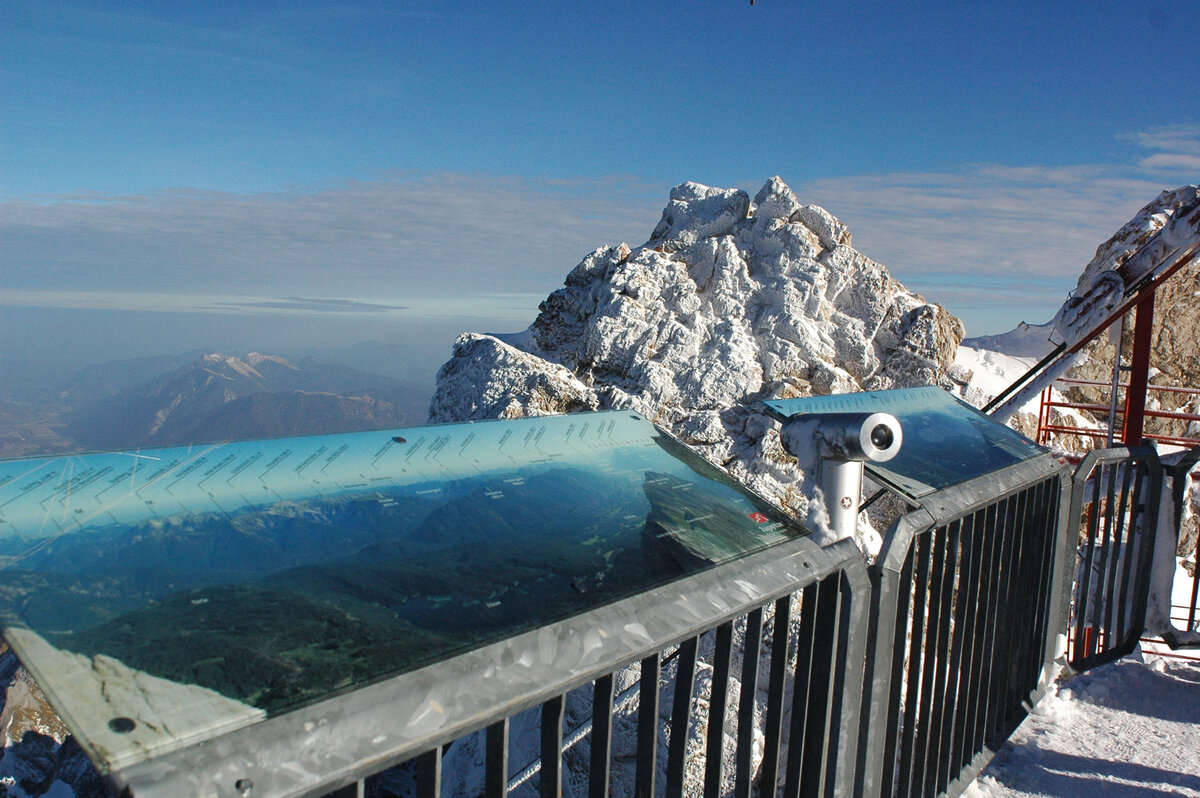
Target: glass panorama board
163	597
946	441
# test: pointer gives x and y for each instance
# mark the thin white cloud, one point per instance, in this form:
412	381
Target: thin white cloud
400	237
995	243
1176	160
991	242
1174	148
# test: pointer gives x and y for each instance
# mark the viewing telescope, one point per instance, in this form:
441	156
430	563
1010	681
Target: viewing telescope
843	441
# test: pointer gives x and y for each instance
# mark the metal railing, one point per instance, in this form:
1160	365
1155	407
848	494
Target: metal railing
792	617
1179	629
1107	414
968	605
1114	508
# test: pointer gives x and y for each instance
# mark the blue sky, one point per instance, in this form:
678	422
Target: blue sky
442	154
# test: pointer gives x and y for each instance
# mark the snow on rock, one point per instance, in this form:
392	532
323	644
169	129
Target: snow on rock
697	211
984	372
729	302
486	376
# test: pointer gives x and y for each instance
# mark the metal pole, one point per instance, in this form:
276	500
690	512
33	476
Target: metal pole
1113	399
1139	372
842	485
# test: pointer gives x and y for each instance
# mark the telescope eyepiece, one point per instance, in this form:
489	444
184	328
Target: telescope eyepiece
882	436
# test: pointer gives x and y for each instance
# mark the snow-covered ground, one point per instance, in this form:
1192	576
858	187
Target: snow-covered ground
991	372
1125	729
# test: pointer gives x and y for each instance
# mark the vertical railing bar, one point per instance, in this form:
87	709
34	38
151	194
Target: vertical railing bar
769	773
550	780
1047	524
1145	546
601	746
1013	628
647	734
1005	645
495	778
943	686
718	705
980	656
1102	635
972	556
1123	554
992	557
1134	472
945	747
429	774
891	732
819	723
356	790
751	655
1095	641
681	715
1029	646
840	757
1022	597
1043	551
916	649
1140	538
1082	610
805	641
931	660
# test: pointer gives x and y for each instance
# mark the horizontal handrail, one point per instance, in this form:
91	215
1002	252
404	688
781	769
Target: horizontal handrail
1048	403
1150	387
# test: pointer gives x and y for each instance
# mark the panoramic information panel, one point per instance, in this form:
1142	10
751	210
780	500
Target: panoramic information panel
946	441
163	597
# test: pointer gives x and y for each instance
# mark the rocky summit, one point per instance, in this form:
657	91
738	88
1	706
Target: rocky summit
731	301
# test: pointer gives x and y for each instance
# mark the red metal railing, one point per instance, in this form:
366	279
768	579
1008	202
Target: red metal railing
1049	403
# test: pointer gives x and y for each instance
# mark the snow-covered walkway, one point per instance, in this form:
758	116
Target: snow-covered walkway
1127	729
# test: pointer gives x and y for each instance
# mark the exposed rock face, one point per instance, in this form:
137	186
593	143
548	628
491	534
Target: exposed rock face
727	303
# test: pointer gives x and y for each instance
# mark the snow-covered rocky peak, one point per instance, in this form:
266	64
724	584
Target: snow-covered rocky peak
697	212
729	302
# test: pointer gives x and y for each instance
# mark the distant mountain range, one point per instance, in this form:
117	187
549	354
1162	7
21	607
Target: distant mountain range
196	398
